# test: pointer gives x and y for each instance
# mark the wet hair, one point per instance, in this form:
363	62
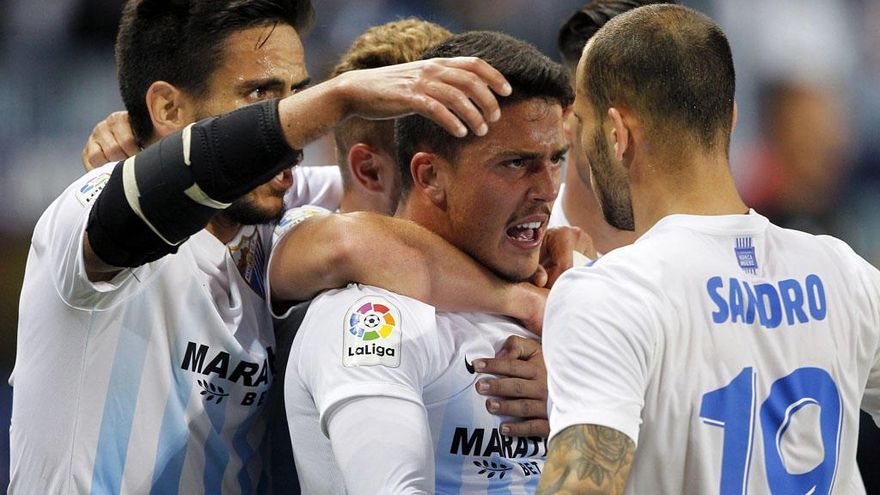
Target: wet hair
530	73
392	43
670	64
584	23
183	42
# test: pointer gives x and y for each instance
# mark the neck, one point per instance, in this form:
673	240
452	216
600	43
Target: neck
223	228
700	185
582	210
352	201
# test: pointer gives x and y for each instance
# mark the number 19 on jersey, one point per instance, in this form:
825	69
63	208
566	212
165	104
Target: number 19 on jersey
733	408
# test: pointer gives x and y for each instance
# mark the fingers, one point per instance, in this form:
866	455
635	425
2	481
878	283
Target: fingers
92	155
539	278
506	367
518	408
530	428
481	68
122	134
111	140
458	102
513	388
516	347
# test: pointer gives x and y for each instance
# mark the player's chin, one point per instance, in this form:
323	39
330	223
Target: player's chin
517	268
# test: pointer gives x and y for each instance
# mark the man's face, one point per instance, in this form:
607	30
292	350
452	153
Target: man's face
503	185
259	63
610	179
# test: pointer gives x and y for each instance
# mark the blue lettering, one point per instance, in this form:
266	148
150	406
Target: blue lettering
816	297
713	285
792	300
736	301
751	303
769	309
771	303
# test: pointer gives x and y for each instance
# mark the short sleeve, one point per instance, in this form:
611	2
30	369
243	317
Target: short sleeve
315	186
57	245
291	219
599	340
365	342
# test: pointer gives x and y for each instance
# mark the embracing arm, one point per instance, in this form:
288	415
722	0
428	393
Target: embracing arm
330	251
587	459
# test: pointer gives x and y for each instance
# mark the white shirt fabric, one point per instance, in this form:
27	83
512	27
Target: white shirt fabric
316	186
390	382
735	353
557	213
151	382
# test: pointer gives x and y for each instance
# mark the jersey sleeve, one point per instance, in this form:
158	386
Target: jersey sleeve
316	186
57	246
394	434
366	342
870	303
599	340
288	223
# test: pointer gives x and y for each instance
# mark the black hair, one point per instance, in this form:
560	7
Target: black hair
583	24
530	73
182	42
669	63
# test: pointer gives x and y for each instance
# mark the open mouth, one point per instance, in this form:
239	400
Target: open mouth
528	233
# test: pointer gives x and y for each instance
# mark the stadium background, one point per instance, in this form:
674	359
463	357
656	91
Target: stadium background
807	145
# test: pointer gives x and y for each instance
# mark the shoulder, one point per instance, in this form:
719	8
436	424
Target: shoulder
295	216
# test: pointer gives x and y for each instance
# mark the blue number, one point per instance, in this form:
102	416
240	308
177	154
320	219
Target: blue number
732	407
802	387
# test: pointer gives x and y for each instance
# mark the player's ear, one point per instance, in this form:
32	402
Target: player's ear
366	166
428	176
170	108
621	134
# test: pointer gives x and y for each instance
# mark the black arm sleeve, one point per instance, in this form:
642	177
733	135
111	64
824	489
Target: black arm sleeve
157	199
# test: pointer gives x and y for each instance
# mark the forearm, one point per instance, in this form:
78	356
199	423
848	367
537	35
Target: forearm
587	459
375	460
397	255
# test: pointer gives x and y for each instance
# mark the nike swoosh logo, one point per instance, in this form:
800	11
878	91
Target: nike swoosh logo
468	366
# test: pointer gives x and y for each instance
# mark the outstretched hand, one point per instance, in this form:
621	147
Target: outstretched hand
520	389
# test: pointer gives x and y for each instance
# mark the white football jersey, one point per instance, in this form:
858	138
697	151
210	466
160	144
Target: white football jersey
149	383
364	341
735	353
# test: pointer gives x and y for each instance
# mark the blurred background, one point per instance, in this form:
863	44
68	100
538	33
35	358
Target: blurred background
806	151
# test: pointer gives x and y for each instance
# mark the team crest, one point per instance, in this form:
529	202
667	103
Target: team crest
371	334
745	255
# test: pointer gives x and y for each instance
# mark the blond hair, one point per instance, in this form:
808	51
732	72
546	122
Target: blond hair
392	43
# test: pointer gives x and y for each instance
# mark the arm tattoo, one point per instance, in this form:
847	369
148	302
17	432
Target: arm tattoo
587	459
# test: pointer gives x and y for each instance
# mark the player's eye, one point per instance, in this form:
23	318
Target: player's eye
258	94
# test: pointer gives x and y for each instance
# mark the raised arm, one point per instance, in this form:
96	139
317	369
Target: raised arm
155	200
330	251
587	459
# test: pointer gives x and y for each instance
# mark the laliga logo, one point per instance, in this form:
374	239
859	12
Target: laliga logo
371	321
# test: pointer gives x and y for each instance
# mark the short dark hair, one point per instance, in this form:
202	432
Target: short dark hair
583	24
530	73
182	42
670	64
